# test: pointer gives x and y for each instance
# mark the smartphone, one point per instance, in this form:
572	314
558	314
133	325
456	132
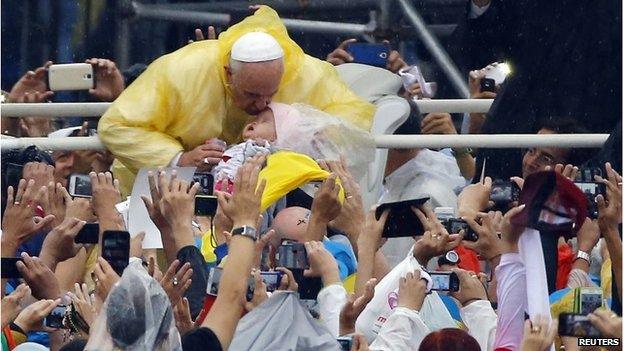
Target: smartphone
455	225
55	318
402	221
8	269
292	255
573	324
444	281
13	174
591	190
205	205
369	54
214	278
345	343
206	182
89	234
272	280
116	249
587	300
79	185
504	192
72	76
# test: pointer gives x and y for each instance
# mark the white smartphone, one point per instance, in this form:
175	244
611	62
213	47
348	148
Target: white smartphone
71	76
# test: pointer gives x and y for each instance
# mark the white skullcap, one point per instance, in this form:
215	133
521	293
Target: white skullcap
256	47
62	133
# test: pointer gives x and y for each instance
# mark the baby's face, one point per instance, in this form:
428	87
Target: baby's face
262	127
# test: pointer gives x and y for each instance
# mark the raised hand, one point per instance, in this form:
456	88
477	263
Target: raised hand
340	55
354	306
436	240
11	304
59	244
109	82
32	81
176	281
412	291
326	206
31	318
322	263
470	287
41	280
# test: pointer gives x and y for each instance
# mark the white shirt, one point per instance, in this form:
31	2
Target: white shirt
331	299
480	319
404	330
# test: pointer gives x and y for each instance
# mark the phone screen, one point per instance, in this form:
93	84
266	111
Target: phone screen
205	205
402	221
345	343
444	281
214	278
589	301
79	185
116	249
55	318
9	267
271	279
89	234
571	324
206	182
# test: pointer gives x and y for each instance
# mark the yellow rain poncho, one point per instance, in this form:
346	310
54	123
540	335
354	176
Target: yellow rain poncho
182	99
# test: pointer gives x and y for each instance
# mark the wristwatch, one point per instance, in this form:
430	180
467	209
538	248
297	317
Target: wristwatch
247	231
583	255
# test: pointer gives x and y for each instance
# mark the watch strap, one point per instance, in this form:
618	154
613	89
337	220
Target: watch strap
582	255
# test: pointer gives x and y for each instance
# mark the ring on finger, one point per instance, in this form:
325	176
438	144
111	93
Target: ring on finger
175	281
536	329
205	161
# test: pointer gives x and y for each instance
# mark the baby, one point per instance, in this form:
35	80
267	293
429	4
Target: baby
299	128
258	135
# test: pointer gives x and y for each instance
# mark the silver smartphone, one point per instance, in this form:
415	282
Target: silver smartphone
71	76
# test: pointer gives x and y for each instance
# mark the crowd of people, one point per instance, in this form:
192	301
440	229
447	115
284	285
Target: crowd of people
291	258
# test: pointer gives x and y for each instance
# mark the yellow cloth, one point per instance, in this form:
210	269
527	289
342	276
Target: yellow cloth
206	248
286	171
606	279
182	99
349	283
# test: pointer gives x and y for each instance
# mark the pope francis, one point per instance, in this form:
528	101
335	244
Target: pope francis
211	88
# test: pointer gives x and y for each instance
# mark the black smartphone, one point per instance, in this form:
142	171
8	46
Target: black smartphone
504	192
116	249
345	343
573	324
369	54
79	185
455	225
8	267
402	221
89	234
444	281
272	280
205	205
488	84
292	255
591	190
206	182
55	318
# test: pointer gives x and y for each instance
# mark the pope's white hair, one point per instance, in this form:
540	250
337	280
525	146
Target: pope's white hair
236	65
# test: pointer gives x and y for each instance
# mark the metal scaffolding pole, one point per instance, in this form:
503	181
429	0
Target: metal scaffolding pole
434	47
281	6
186	16
122	40
96	109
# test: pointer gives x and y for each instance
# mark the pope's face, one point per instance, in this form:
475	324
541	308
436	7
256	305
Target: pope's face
254	84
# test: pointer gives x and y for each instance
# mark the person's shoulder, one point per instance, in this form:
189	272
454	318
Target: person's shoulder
195	57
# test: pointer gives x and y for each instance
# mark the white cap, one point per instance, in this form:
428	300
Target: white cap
256	47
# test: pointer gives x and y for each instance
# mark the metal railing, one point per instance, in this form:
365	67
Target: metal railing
505	141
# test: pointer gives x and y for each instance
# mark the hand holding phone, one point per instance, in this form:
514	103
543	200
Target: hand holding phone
444	281
577	325
89	234
401	221
205	205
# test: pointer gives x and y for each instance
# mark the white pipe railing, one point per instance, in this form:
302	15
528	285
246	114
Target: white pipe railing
381	141
96	109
